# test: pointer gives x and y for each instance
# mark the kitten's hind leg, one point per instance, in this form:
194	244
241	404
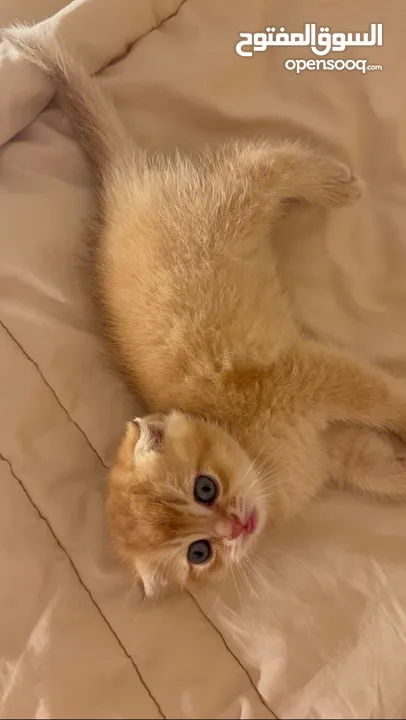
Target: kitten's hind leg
294	171
365	460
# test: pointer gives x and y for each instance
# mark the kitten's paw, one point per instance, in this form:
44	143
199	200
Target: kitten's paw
340	185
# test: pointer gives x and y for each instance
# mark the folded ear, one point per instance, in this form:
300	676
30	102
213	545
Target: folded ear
151	432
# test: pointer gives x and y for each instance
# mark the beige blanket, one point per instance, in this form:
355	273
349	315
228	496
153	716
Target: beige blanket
326	634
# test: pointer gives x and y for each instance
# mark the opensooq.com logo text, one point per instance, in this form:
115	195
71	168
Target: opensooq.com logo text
321	43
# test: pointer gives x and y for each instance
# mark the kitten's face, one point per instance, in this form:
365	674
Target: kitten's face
184	501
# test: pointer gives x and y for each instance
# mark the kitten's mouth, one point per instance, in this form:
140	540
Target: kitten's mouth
247	527
251	524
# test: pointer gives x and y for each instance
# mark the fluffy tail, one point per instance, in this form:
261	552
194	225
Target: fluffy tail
92	114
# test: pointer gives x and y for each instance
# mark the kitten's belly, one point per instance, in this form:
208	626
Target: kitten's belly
176	324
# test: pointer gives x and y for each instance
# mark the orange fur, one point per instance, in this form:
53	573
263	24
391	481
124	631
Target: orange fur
186	280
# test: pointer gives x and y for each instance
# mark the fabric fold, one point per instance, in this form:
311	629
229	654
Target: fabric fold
114	25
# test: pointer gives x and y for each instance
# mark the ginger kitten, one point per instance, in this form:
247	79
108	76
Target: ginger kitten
250	419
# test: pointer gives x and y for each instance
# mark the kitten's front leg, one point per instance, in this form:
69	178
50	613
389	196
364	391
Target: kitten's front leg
365	460
339	387
311	391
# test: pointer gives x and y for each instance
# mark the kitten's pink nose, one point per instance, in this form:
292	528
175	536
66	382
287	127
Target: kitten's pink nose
237	528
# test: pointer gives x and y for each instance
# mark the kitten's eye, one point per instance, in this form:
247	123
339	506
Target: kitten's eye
199	552
205	490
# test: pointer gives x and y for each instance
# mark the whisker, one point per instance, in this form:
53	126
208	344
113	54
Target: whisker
243	577
236	585
241	567
258	576
258	561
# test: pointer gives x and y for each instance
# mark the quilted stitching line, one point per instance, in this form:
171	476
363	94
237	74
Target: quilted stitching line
236	658
156	27
49	386
75	570
140	37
